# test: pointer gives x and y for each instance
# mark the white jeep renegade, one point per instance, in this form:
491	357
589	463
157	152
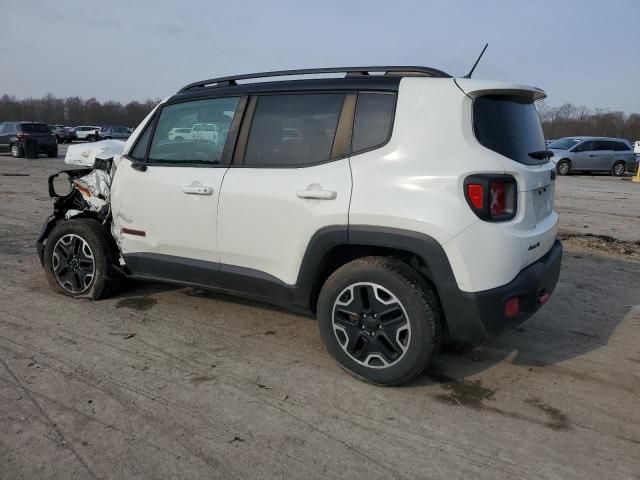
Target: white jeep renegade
400	208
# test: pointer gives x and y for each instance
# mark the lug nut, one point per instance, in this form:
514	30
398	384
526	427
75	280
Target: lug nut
379	327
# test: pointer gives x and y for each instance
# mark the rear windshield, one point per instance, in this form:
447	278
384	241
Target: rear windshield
35	128
509	125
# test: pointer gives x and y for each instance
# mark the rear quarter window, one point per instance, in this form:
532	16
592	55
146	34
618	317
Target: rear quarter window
374	118
509	125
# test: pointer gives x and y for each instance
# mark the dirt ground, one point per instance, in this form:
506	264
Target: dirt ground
163	382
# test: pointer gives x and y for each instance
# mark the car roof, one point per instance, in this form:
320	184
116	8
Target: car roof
585	137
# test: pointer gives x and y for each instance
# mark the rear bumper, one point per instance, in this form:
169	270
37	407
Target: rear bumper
477	315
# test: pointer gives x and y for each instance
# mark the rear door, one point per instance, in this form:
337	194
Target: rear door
165	194
602	155
39	132
290	179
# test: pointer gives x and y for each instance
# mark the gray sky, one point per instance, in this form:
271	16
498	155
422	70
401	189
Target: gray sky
584	52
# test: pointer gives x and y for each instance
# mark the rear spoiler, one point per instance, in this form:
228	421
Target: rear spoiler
476	88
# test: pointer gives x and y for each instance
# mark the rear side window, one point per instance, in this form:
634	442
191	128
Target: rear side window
293	130
209	119
620	147
601	145
510	126
374	117
35	128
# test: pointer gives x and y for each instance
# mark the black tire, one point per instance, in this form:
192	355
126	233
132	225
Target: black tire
414	303
563	167
17	151
91	138
618	169
104	278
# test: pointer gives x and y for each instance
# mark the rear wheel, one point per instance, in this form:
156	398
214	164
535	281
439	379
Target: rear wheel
618	169
380	320
563	167
79	259
16	151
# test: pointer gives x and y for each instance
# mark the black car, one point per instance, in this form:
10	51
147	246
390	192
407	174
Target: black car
13	136
63	134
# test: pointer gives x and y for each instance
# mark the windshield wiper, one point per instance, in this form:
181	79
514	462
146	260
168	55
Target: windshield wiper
541	154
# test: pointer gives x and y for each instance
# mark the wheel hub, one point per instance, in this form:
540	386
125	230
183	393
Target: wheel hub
371	325
73	263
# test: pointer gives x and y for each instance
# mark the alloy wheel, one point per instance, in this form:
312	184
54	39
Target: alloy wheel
73	263
371	325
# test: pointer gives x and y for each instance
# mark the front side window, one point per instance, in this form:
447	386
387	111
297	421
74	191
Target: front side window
374	116
207	123
293	130
585	147
563	143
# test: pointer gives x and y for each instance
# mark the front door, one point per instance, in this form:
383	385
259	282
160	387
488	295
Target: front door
581	159
165	194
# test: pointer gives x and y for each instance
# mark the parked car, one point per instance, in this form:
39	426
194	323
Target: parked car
636	146
180	133
13	136
63	134
114	133
87	132
592	154
400	209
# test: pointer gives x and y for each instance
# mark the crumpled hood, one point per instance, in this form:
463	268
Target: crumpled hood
85	154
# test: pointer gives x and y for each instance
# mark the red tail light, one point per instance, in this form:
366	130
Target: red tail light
512	307
475	193
491	197
22	135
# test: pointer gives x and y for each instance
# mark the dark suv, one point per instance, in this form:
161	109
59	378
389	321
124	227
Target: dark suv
13	136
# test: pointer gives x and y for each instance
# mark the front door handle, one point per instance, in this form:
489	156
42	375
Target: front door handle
197	190
315	191
593	155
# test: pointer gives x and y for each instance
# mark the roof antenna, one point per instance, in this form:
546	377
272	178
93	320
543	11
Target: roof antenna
468	75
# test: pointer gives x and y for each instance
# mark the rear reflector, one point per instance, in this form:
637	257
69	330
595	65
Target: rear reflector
512	307
475	192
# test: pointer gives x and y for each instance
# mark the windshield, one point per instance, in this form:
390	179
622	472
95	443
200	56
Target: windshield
510	126
564	143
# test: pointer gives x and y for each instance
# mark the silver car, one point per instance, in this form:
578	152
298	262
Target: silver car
593	154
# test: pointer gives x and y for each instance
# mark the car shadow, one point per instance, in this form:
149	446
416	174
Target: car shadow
588	304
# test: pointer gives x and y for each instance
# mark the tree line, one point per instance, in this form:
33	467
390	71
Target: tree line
73	111
563	121
569	120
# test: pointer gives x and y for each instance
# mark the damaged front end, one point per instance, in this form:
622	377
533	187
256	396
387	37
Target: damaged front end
81	192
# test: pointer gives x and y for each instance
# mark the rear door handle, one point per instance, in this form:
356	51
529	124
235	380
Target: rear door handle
593	155
315	191
197	190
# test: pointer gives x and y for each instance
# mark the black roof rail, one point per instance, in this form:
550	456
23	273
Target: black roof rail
349	71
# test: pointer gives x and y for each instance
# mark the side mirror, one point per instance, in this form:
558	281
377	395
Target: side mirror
60	185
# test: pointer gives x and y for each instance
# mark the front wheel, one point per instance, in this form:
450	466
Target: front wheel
380	320
79	259
618	169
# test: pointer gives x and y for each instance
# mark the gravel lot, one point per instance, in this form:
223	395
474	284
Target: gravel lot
179	383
